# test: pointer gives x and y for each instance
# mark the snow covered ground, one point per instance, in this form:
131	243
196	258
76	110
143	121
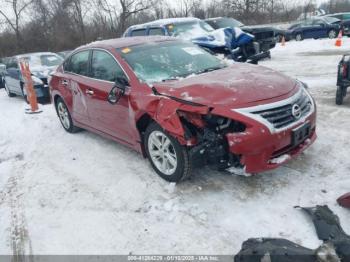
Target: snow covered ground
83	194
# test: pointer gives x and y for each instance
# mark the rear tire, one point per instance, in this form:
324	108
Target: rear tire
299	37
332	34
167	156
65	117
340	96
8	91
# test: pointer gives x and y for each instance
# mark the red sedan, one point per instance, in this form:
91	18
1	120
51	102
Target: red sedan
182	107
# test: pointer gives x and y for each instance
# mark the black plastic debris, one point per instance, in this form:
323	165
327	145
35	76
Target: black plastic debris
328	229
273	250
336	246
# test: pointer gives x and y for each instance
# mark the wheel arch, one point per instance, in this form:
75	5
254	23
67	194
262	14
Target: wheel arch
141	124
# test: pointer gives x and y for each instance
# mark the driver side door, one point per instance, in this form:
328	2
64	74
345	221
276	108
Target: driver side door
111	119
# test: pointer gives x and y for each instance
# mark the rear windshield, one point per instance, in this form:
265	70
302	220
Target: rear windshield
189	30
331	20
168	61
42	60
226	22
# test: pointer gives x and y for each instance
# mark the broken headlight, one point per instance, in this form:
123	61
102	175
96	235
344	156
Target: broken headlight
220	123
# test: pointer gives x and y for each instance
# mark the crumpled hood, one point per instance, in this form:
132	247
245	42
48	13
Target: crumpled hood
235	86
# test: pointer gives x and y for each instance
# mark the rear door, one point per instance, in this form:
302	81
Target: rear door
77	82
307	29
112	119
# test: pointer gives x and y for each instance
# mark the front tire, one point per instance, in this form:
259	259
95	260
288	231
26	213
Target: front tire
332	34
340	96
299	37
167	156
8	91
65	117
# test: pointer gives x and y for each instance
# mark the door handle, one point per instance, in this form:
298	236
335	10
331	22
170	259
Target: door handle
89	92
65	82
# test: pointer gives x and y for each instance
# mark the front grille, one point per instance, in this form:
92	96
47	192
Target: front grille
283	116
264	35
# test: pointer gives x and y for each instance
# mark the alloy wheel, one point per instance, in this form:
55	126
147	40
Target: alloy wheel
332	34
63	115
162	153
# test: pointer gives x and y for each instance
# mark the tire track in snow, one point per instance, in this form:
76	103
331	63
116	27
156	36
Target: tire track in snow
19	237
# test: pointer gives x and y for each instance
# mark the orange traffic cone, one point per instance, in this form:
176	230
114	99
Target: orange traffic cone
339	41
29	86
283	42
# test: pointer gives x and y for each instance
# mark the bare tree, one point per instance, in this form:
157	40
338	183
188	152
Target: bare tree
79	13
129	8
17	7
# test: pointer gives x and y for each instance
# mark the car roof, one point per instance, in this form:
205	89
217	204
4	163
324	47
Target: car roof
35	54
163	22
127	41
338	13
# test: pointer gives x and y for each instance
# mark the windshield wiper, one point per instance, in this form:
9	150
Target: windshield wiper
170	79
210	69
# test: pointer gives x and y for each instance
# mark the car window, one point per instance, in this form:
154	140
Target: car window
225	22
307	23
346	16
318	22
190	30
12	63
105	67
79	63
156	31
138	32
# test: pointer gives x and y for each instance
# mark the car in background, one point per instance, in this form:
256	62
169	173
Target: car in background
233	43
182	107
41	66
64	54
265	36
2	73
345	21
316	27
343	79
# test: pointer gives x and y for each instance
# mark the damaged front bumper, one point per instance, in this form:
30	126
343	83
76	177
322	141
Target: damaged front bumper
265	152
261	146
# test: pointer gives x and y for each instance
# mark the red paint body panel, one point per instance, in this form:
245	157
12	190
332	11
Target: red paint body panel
236	86
344	200
220	92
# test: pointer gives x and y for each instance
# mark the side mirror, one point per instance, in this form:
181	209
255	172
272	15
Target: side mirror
118	90
322	25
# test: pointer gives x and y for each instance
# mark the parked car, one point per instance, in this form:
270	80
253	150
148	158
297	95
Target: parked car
182	107
317	27
231	42
264	36
343	80
345	21
2	73
64	54
40	64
